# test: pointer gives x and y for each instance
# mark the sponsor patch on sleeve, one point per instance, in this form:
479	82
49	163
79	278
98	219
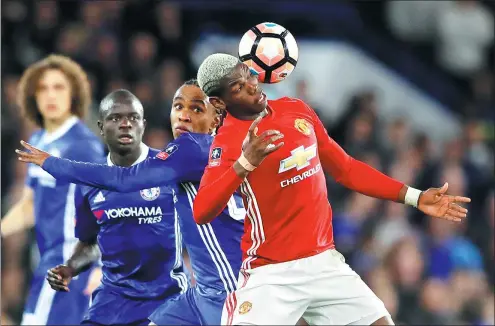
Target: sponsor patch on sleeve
163	155
216	155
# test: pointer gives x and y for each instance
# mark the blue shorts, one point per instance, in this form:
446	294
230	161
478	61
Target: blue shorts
111	308
190	308
46	306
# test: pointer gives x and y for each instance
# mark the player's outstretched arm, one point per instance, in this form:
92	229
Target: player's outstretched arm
221	180
362	178
152	172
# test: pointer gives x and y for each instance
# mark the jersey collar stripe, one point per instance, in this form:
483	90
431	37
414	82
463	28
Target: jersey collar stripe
48	138
211	243
257	231
144	154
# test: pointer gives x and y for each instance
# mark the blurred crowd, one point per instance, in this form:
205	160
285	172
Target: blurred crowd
426	271
458	36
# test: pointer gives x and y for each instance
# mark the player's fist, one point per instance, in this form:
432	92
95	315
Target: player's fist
59	277
35	155
256	147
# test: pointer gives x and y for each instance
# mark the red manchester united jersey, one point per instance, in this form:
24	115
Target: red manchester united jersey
288	213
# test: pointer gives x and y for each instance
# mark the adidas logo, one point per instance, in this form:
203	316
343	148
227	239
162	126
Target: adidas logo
99	198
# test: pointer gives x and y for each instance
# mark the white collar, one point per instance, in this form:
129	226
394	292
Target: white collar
144	154
60	131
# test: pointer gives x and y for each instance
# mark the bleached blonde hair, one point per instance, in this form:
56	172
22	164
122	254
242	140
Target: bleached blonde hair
213	69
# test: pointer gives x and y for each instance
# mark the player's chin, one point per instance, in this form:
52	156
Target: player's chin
53	114
258	107
126	143
177	132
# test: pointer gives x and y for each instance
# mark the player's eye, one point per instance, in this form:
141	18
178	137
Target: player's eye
178	107
197	109
114	119
239	88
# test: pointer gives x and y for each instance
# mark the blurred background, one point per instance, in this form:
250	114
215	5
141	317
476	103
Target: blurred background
406	86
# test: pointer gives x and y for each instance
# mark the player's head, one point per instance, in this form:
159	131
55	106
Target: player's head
191	111
53	89
230	85
121	121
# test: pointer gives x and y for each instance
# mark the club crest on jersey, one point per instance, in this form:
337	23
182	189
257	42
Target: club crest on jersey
245	307
303	126
215	156
163	155
150	194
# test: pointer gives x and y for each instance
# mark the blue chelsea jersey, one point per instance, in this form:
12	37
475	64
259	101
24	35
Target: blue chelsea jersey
54	199
138	235
214	248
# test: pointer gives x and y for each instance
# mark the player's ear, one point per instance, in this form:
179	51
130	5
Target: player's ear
145	123
217	119
217	102
100	126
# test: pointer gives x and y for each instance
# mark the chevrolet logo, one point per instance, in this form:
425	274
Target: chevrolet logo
299	158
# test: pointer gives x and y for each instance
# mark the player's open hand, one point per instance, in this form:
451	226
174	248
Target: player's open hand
257	147
59	277
33	155
435	202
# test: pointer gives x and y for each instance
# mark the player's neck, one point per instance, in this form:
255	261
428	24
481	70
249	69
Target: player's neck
250	116
52	125
125	159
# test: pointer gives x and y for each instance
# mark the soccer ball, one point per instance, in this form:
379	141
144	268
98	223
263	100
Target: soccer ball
270	51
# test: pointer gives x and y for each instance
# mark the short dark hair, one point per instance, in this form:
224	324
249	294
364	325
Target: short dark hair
193	82
80	87
119	96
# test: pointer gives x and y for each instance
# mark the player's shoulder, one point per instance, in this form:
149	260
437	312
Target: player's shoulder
230	133
80	129
191	139
288	103
195	145
227	137
200	139
81	133
153	152
85	191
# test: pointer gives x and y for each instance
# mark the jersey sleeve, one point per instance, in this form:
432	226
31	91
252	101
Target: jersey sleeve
173	164
349	172
218	183
87	227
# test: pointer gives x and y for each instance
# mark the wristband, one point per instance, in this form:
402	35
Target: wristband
245	163
412	196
